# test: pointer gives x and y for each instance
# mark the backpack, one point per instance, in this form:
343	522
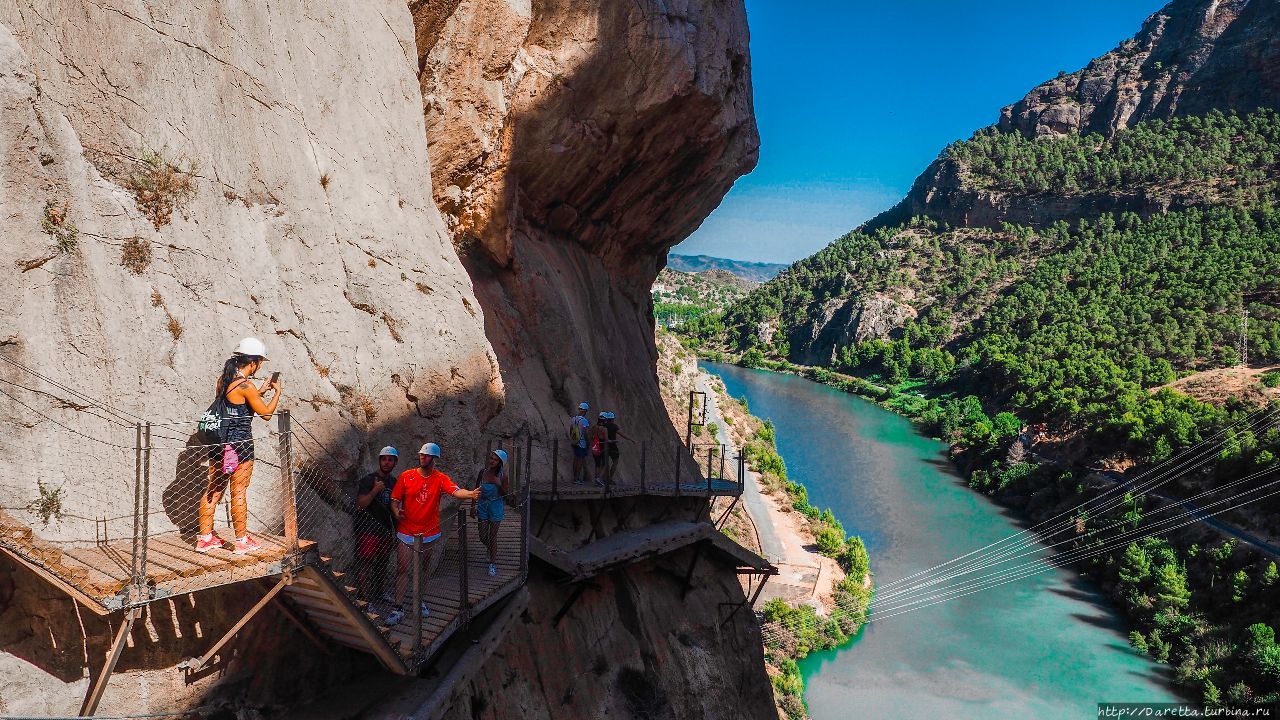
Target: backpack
209	430
574	430
596	447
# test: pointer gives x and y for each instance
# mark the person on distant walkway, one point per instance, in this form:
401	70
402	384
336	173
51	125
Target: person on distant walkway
415	503
579	426
490	509
375	528
611	425
598	447
242	402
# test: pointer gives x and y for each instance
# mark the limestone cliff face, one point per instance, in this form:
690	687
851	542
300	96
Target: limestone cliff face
443	219
302	214
571	145
843	321
1191	57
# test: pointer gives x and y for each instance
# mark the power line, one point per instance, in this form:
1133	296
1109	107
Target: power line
997	559
1027	534
1086	552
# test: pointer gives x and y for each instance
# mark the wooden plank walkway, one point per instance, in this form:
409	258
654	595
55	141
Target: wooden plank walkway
443	590
334	607
632	546
99	572
543	489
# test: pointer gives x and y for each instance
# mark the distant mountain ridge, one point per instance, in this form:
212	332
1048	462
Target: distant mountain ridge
754	271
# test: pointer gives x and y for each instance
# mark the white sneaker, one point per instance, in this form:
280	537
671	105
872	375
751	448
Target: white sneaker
426	612
386	597
493	570
394	618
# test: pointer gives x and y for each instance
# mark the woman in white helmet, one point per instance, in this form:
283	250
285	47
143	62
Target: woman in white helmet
242	402
489	509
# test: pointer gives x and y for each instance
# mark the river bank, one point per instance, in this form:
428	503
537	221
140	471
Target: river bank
812	604
1218	641
1049	646
819	599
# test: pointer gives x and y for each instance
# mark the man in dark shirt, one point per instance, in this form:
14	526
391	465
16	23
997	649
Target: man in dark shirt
374	525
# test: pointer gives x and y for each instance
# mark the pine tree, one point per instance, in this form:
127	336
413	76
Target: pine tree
1134	566
1239	586
1171	588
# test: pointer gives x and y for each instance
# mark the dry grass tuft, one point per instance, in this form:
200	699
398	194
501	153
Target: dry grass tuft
136	255
159	187
55	225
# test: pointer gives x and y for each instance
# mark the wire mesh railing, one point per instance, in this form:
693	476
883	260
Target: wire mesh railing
633	467
419	584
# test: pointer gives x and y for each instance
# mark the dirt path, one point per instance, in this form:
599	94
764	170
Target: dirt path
803	574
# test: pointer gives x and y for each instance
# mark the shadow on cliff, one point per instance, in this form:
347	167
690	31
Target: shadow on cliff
610	165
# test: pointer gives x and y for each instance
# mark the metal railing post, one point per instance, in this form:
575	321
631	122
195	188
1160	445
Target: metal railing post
528	461
644	447
417	593
463	580
677	468
137	512
723	449
555	467
742	471
288	498
709	451
144	530
526	515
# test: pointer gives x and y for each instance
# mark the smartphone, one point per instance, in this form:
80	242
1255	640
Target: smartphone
275	377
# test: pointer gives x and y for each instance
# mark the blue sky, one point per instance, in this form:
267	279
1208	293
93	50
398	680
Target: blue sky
854	99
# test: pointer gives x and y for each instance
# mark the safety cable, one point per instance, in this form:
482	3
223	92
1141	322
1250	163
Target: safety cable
1052	566
1028	571
90	400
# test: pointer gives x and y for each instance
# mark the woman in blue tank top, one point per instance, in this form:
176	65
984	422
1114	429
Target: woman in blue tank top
490	509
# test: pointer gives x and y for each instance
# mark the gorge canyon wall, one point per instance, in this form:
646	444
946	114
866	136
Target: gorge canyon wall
443	218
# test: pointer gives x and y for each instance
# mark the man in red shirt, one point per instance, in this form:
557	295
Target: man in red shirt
415	503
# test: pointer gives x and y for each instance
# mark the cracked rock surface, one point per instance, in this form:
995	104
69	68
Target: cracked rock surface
443	219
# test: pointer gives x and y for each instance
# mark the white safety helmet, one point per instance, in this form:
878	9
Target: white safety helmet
502	455
252	346
431	449
389	451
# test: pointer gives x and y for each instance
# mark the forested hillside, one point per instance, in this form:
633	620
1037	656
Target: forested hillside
1041	351
1070	323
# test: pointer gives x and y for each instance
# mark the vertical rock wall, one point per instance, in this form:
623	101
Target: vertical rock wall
571	145
443	219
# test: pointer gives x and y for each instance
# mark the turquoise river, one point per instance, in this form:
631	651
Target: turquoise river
1044	647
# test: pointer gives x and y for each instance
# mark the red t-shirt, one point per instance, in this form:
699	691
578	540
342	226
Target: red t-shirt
420	497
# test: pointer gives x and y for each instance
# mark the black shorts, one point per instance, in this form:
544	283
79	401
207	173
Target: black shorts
613	452
244	448
599	460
